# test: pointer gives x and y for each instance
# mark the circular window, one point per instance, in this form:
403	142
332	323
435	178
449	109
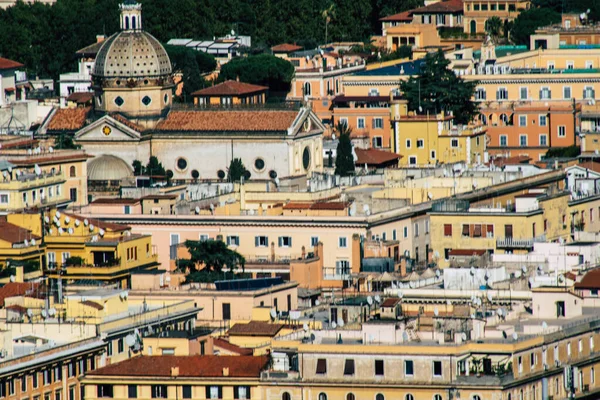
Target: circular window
221	174
145	81
169	174
306	158
119	101
181	163
166	99
146	100
118	82
247	175
195	174
259	164
272	174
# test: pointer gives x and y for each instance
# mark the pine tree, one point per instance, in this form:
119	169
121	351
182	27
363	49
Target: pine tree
344	160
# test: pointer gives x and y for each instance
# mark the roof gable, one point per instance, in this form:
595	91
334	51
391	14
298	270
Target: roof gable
108	129
231	88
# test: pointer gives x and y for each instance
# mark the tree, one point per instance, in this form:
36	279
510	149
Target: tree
64	141
236	170
529	20
437	89
138	168
213	255
344	160
192	64
493	26
262	69
155	167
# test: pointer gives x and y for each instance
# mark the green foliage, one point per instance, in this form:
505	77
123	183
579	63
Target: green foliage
447	32
563	152
192	64
138	168
236	170
528	21
63	141
154	167
571	6
376	55
438	89
211	277
344	160
493	26
74	261
262	69
213	255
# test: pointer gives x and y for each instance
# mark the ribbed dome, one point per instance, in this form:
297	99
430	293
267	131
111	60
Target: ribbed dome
132	54
108	168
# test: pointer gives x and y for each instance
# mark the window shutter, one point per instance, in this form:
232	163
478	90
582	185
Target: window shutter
267	241
220	392
498	95
373	123
236	392
549	94
541	94
248	396
593	94
280	241
255	244
290	241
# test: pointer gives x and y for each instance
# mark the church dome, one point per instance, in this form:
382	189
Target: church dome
108	168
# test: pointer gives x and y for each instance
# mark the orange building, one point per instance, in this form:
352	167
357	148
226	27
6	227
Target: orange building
477	12
530	130
231	93
572	31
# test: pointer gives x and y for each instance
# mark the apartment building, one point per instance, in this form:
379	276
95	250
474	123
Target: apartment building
477	12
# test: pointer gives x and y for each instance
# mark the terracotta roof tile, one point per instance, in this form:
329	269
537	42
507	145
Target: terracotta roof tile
160	197
224	344
466	252
189	366
81	97
320	205
17	308
68	119
115	201
228	121
286	48
590	280
5	63
375	157
13	289
442	7
390	302
92	49
591	165
405	16
128	123
14	234
501	161
230	88
254	328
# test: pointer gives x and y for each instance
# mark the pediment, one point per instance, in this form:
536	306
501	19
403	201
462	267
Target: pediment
107	129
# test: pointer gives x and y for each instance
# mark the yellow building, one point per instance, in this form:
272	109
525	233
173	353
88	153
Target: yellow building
80	248
231	93
19	246
477	12
433	139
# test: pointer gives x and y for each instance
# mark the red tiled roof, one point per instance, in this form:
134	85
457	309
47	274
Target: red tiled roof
13	289
230	88
374	157
14	234
501	161
224	344
115	201
591	165
91	49
17	308
42	159
254	328
128	123
390	302
5	63
93	304
227	121
466	252
160	197
81	97
68	119
285	48
442	7
591	280
189	366
405	16
332	205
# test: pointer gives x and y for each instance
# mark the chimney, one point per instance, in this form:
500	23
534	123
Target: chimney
100	38
237	78
174	371
225	371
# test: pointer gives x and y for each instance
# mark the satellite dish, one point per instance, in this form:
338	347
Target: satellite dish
437	273
29	312
370	300
51	149
26	242
472	270
86	222
197	210
91	227
44	313
67	219
504	335
499	312
101	232
33	242
60	231
77	222
518	274
333	325
312	337
436	312
411	284
47	219
524	269
405	337
273	314
130	340
305	327
71	231
449	302
490	296
317	302
429	195
464	336
472	315
57	214
515	336
544	325
52	312
400	294
340	323
561	278
37	169
12	278
377	298
50	231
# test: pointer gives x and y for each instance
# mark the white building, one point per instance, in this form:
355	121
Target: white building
81	81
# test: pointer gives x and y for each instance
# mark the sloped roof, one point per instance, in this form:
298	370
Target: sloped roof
224	344
108	226
285	48
227	121
230	88
329	205
405	16
92	49
13	289
115	201
81	97
391	302
5	63
375	157
127	123
68	119
590	280
591	165
254	328
442	7
189	366
466	252
13	233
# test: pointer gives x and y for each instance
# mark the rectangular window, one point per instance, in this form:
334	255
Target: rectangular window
3	198
378	123
448	230
159	391
556	353
132	391
437	368
120	345
502	94
416	230
378	142
261	241
570	65
412	160
523	92
379	367
168	351
405	232
241	392
24	384
72	393
532	360
58	395
409	368
520	364
433	154
545	93
321	366
11	387
284	241
591	343
589	93
342	242
186	391
408	144
562	131
543	120
349	367
454	143
589	65
569	349
522	120
420	143
214	392
58	373
46	376
465	230
233	240
503	140
523	140
394	235
203	237
314	241
34	380
543	140
360	123
567	92
477	231
105	391
344	121
226	308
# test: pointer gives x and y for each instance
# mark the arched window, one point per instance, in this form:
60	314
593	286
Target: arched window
286	396
322	396
508	397
437	397
473	27
133	22
307	89
72	172
350	396
409	397
476	397
379	396
126	22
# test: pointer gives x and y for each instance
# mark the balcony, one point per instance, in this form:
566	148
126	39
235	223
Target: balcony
515	243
